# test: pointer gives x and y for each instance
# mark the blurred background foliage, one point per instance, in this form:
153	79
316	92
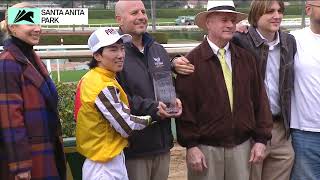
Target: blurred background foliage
66	93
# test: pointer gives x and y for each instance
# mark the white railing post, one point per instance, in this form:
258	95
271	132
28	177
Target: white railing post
58	64
48	64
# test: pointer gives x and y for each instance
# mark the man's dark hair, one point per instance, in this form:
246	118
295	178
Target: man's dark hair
94	63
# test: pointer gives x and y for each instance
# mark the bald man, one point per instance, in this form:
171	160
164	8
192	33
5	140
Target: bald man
305	108
148	154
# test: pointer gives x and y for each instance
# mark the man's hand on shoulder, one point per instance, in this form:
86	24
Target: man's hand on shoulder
242	28
182	65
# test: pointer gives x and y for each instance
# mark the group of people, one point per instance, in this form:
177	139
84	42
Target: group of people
247	106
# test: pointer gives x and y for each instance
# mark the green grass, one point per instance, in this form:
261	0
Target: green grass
69	76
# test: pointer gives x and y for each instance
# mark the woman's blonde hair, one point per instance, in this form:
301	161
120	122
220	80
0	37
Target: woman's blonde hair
4	27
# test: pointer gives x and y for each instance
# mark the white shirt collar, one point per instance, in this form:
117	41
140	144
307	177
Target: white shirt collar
273	43
215	48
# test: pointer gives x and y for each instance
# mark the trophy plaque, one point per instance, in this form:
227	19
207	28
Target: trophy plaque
165	91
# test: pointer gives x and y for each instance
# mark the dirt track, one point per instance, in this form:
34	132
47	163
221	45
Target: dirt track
178	168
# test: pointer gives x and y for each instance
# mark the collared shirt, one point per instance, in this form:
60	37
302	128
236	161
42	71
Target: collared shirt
271	80
253	42
305	104
207	118
215	50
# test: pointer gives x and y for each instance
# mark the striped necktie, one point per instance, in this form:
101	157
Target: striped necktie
226	74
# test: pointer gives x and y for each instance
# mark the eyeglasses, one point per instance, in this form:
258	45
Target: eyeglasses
315	5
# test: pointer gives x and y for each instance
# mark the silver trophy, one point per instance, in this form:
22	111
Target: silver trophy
165	91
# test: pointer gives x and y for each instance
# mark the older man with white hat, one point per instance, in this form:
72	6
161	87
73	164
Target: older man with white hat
226	121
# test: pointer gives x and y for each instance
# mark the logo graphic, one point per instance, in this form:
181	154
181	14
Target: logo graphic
24	16
157	62
48	16
110	31
157	59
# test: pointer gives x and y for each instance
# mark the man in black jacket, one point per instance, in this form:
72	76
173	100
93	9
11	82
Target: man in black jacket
148	155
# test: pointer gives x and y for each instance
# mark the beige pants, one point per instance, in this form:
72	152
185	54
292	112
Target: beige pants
225	163
149	168
279	157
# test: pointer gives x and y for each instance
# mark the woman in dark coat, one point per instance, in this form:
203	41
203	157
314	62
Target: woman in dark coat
30	131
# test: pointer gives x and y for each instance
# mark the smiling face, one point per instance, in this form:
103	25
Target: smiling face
132	19
270	21
112	57
221	27
27	33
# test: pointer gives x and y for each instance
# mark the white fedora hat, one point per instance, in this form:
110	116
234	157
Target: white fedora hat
217	6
